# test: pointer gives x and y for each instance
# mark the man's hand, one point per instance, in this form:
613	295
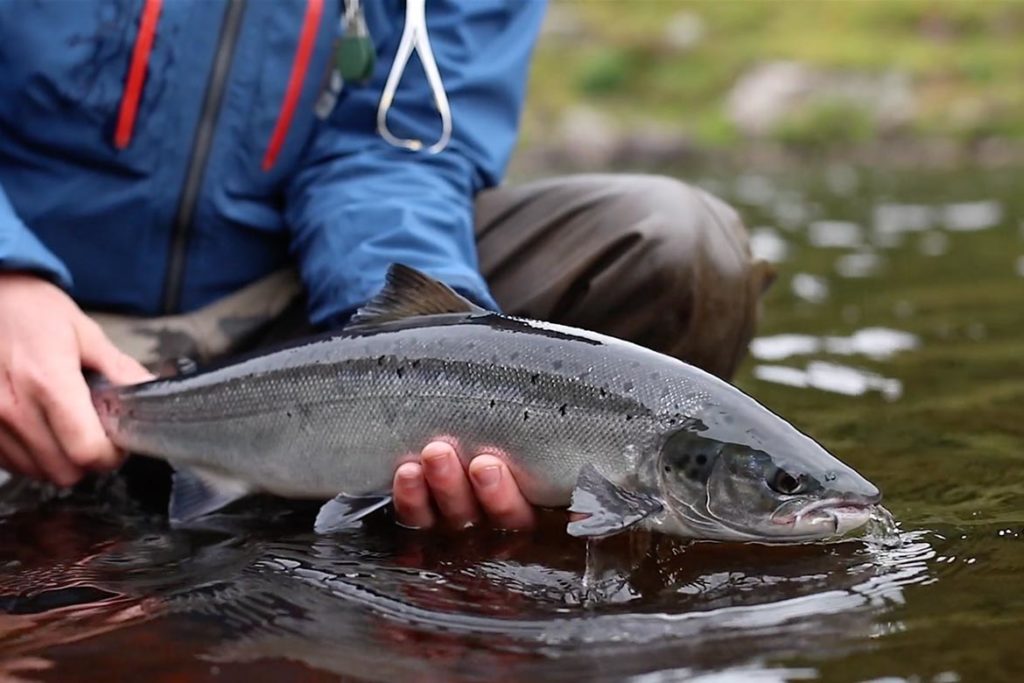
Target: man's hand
489	491
48	427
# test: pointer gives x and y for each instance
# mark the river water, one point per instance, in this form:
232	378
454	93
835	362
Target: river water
894	335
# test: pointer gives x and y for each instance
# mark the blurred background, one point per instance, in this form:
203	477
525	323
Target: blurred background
660	82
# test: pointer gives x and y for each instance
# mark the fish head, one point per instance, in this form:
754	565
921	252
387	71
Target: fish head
765	481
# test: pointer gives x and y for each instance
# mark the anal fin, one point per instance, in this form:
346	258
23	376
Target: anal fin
198	492
344	511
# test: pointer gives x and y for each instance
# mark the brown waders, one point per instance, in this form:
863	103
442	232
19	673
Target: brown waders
644	258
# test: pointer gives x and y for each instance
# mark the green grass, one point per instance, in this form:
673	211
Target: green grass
965	61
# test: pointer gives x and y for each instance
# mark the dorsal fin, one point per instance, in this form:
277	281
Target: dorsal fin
408	293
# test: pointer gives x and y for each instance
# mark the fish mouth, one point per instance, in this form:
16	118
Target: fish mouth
823	518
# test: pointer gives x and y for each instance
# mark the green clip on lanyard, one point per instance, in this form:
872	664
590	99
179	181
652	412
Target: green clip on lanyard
355	59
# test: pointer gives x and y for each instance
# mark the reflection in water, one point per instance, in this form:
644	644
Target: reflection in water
972	216
377	605
839	379
810	288
766	244
877	343
831	234
894	219
858	264
933	243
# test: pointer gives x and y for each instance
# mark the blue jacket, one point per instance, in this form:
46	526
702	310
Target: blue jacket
186	201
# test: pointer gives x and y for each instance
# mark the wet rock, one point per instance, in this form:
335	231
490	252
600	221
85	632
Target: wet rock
562	22
771	93
588	137
683	31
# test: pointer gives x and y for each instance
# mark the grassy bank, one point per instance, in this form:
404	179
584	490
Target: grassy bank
672	64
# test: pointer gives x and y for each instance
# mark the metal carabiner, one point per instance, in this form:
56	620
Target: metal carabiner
414	37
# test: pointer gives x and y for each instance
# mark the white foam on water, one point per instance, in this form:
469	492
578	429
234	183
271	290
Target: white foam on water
972	216
877	343
810	288
833	234
832	377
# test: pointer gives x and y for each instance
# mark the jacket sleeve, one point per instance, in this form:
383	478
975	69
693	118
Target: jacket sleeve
359	204
22	250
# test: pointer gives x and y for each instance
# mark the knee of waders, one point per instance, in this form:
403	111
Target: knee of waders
694	253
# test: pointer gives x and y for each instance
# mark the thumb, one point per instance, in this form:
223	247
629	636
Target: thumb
99	353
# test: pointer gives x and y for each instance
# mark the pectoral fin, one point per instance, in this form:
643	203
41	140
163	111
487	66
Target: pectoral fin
344	511
609	508
198	492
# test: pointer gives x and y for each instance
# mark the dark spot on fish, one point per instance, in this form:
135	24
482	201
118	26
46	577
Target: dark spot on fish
557	365
492	403
668	468
526	415
416	363
628	417
604	393
693	474
400	371
563	408
380	361
702	460
288	413
534	378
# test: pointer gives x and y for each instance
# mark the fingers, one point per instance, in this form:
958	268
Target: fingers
449	486
15	459
99	353
438	489
412	497
47	454
76	426
499	494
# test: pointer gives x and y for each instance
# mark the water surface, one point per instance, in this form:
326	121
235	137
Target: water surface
894	334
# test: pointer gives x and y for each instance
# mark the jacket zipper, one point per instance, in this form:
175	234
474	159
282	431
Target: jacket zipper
201	144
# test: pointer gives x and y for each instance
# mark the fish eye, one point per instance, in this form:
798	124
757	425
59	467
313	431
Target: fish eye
785	483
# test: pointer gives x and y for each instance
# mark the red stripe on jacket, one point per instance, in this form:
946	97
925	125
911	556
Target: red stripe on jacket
137	74
307	39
